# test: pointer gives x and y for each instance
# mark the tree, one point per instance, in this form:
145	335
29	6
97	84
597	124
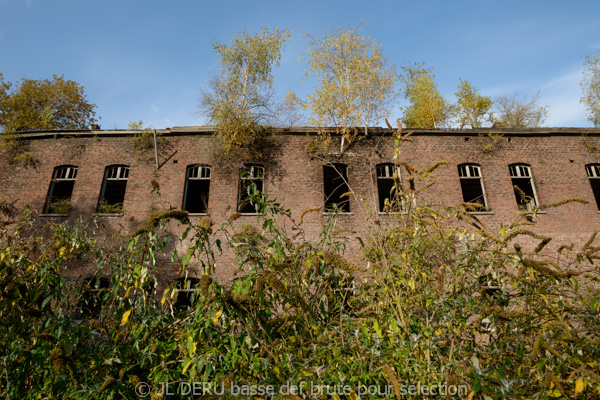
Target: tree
515	112
239	100
356	83
428	109
44	104
472	109
291	110
590	85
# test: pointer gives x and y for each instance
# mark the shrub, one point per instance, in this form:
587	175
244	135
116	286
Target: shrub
439	298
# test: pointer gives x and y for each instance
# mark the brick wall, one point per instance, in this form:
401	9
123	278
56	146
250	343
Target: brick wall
295	177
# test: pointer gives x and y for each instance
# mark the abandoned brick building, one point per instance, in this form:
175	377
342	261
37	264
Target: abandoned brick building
102	173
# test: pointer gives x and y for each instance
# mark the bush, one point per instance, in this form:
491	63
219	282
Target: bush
438	299
106	208
59	206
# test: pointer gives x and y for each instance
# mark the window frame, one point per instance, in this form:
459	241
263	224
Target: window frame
90	303
593	173
390	168
469	168
69	176
192	285
341	170
107	172
520	167
257	174
200	177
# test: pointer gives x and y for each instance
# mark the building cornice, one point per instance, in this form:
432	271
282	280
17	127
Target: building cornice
376	131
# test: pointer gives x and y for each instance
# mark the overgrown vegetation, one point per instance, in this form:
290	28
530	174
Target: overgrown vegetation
489	143
520	112
59	206
357	85
143	138
590	87
106	208
239	100
428	108
438	298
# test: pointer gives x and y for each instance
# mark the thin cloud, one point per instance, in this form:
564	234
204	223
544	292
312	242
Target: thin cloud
562	95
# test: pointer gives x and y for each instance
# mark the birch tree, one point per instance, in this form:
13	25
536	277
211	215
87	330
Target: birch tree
590	86
239	100
428	109
356	85
472	109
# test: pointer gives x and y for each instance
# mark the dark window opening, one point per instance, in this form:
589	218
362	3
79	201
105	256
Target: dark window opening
90	303
386	187
593	172
249	175
472	185
523	185
61	189
335	181
113	190
197	186
186	292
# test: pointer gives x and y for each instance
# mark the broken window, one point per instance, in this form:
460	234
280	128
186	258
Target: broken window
186	287
61	189
250	174
90	303
472	185
385	187
522	182
113	189
335	182
593	172
197	185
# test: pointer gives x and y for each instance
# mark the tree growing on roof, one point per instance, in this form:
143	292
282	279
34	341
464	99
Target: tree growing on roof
472	109
356	85
519	112
239	100
590	86
428	108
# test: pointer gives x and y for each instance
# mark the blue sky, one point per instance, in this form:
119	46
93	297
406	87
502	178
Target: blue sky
148	59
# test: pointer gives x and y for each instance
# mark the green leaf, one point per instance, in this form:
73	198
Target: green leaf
186	259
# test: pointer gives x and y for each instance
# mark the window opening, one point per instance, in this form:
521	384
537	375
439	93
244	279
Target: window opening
522	182
197	188
90	303
186	287
385	186
249	174
593	173
335	178
471	185
113	189
61	189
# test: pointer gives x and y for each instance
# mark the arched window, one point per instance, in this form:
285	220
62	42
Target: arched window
197	187
385	185
249	174
185	291
112	194
61	189
471	184
522	182
335	186
90	303
593	173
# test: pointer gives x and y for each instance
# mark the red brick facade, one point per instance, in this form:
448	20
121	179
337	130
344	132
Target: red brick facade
294	176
